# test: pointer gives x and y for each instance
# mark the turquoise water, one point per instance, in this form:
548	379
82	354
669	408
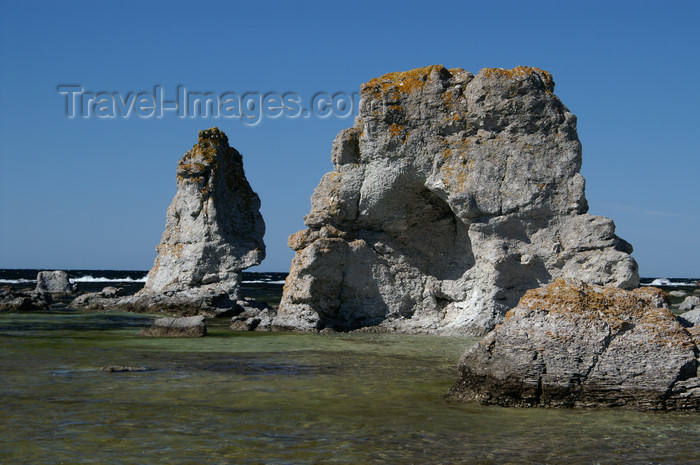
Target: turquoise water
282	398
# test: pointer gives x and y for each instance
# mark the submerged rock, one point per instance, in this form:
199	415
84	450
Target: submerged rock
213	231
122	369
574	345
450	197
54	282
192	326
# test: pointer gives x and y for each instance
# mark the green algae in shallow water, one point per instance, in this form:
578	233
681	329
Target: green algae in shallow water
281	398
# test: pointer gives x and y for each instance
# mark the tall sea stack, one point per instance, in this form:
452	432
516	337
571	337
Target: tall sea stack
451	196
213	226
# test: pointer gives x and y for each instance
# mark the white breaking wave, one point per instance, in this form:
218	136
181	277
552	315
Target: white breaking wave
102	279
18	281
262	281
668	282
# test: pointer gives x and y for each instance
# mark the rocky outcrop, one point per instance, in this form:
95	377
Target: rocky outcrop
213	231
54	282
574	345
450	197
192	326
19	300
689	303
252	316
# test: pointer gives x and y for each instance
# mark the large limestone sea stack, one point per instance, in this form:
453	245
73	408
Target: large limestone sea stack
451	196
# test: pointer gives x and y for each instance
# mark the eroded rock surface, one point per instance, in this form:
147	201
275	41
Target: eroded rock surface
12	300
213	231
450	197
574	345
54	282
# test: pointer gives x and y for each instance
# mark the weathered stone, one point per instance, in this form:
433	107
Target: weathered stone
111	292
17	300
573	345
678	293
690	318
213	231
252	316
450	197
690	303
54	282
192	326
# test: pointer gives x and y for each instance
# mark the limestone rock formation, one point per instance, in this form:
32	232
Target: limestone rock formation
573	345
213	231
54	282
213	226
450	197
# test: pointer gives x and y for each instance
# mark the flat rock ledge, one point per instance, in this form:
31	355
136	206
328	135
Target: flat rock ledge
209	302
192	326
15	300
575	345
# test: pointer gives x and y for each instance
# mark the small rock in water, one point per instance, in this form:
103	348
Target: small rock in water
54	282
678	293
121	369
191	326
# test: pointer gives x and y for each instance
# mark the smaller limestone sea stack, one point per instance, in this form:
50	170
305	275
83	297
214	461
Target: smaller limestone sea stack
573	345
214	228
213	231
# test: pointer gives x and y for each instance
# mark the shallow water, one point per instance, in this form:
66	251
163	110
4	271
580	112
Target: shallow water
282	398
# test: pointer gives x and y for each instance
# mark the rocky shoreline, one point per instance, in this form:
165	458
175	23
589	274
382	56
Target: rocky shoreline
455	207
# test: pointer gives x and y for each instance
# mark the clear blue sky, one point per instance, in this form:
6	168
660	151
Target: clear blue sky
92	193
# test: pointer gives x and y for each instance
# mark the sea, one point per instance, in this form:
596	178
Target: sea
280	398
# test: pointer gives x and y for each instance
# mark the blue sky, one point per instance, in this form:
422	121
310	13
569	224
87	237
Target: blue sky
92	192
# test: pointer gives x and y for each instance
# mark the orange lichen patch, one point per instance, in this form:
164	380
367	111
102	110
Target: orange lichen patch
405	82
169	249
520	72
396	130
616	307
457	164
652	294
666	330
